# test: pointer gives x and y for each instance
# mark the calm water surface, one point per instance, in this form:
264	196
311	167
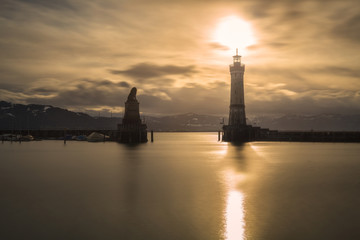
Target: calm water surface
182	186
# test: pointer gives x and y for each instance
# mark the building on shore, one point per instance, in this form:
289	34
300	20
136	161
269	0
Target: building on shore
237	130
132	130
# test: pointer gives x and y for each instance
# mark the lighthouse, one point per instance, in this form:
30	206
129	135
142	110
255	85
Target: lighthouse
236	130
237	103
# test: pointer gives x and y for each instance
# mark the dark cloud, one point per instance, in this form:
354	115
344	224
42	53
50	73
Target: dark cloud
160	82
301	74
337	71
103	83
84	92
211	85
43	90
55	4
11	87
187	99
307	104
349	29
209	99
123	84
149	70
259	9
292	14
89	97
273	44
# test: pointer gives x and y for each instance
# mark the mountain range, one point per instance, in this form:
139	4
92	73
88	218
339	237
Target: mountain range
36	116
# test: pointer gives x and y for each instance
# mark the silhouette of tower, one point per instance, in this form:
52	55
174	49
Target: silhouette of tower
237	130
132	112
132	130
237	103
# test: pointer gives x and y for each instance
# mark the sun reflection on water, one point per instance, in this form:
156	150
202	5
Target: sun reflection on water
235	223
258	150
234	213
234	179
221	151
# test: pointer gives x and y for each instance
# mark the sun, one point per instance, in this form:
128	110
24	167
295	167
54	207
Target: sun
233	32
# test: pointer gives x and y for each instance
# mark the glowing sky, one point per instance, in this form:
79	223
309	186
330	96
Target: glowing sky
300	56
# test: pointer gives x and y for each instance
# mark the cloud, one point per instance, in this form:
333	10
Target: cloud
104	83
123	84
306	104
349	29
306	78
83	92
154	82
218	46
57	4
340	71
149	70
187	99
11	87
43	90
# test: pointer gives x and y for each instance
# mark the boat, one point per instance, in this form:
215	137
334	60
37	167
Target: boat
97	137
81	138
27	138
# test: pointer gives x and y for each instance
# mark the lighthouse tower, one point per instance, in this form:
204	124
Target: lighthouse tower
237	130
237	103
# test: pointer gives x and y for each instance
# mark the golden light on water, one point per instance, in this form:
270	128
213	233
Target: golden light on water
221	150
233	32
257	149
234	213
235	223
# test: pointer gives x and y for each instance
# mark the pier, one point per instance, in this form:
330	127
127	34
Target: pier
251	134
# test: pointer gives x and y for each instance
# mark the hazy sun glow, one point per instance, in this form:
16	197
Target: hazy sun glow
233	32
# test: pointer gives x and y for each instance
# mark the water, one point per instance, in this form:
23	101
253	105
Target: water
182	186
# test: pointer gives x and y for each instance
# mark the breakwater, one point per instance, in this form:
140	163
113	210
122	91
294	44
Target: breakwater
264	134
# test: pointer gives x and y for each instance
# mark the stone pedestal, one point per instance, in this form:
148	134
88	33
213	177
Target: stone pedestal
132	133
132	130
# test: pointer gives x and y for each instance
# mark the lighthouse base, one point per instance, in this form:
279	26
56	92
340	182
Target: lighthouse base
237	133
